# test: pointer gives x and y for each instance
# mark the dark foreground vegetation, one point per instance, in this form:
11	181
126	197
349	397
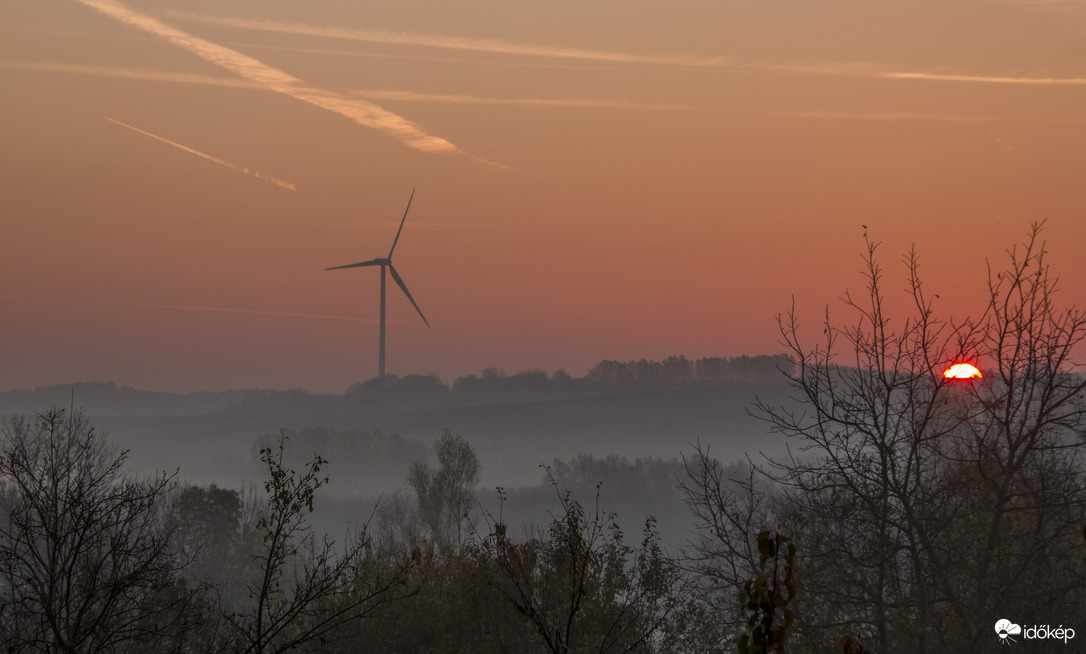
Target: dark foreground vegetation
912	514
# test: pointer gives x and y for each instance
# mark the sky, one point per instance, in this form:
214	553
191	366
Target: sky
593	180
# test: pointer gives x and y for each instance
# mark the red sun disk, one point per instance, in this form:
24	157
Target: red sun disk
962	371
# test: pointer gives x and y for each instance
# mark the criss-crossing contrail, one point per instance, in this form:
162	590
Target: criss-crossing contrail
359	111
495	46
222	162
188	307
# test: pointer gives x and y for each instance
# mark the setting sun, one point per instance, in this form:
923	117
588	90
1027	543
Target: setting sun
962	371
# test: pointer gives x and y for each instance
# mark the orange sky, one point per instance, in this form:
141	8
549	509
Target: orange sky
595	180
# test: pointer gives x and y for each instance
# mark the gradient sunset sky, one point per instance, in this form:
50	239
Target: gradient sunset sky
595	180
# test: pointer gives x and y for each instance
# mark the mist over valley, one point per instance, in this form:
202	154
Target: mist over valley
617	426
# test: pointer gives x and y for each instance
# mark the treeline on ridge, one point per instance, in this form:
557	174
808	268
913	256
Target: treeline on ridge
605	376
607	373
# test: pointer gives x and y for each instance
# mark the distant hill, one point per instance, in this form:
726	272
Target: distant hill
106	398
491	385
515	422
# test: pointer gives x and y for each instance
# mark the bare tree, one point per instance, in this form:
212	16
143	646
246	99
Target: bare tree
307	592
84	559
730	506
446	492
1018	450
580	587
913	482
923	505
215	530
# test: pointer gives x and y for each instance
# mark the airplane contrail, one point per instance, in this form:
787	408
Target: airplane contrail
891	116
119	72
439	58
854	69
360	112
988	79
874	71
222	162
451	42
187	307
411	96
404	96
514	48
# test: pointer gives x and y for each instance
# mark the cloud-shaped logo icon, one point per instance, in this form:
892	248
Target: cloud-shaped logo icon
1005	629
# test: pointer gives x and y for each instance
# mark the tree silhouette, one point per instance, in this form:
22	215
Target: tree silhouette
84	560
446	492
915	499
306	592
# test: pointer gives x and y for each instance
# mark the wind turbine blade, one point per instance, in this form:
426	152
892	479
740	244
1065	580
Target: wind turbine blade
401	227
403	287
374	262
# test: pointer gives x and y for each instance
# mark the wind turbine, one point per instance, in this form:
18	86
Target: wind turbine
386	262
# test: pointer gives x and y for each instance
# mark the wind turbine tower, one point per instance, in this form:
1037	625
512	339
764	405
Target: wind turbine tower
386	262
